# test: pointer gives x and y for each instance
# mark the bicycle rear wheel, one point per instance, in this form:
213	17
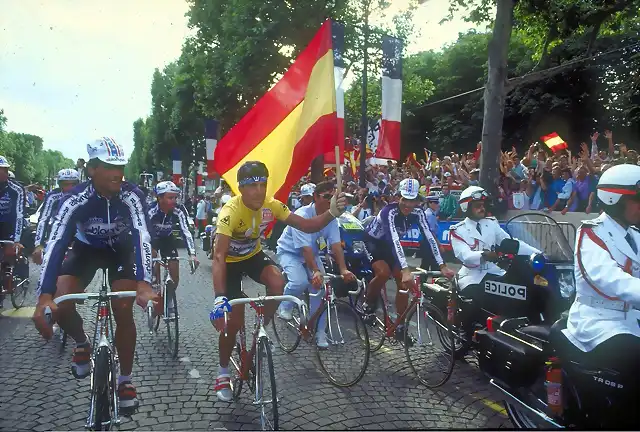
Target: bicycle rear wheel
173	331
287	333
19	294
266	394
428	345
101	415
346	359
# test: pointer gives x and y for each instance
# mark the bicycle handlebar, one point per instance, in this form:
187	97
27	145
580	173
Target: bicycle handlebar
328	277
163	260
420	272
301	305
86	296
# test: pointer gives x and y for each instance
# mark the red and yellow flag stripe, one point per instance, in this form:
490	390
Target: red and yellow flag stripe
554	142
290	125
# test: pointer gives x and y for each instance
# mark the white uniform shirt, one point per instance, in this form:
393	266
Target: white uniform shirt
607	284
468	244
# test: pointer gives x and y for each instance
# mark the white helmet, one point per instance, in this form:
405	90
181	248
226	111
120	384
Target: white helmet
224	199
166	186
409	188
617	181
4	163
12	175
470	194
68	174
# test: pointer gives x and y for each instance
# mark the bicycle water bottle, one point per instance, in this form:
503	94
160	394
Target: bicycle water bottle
553	383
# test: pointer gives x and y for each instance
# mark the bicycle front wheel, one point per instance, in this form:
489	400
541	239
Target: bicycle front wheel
19	294
376	323
287	331
171	319
266	394
101	416
428	345
346	358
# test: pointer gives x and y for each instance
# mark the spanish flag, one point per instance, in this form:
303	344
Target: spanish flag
554	142
412	160
290	125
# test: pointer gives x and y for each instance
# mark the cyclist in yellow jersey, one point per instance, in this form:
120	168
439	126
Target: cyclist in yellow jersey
237	252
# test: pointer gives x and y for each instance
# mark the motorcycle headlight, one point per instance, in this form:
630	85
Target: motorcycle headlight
358	247
566	283
537	262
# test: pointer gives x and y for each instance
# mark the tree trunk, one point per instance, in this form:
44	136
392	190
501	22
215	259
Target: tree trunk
494	97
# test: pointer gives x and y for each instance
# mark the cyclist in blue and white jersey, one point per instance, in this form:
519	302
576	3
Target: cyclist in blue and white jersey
162	216
382	239
105	218
12	203
67	179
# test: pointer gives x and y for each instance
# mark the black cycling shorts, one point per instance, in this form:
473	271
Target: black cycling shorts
380	250
166	246
83	260
7	230
251	267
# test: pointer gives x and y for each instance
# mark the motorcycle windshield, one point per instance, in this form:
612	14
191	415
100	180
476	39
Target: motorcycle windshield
349	222
545	234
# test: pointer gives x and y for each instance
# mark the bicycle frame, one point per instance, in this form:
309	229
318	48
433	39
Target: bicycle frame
417	299
257	303
103	337
166	277
10	267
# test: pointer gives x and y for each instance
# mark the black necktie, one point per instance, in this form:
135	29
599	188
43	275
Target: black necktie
632	243
478	228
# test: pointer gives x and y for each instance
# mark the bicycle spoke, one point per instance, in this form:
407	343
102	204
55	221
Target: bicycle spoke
345	360
430	359
265	388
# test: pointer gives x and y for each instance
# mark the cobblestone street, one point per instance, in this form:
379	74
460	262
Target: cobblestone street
38	392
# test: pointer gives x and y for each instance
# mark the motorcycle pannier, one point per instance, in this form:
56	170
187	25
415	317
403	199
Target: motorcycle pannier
513	362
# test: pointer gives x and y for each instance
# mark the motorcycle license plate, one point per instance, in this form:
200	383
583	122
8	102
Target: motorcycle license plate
516	292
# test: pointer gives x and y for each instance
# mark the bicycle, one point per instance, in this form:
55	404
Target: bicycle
334	309
245	369
103	409
19	287
170	304
423	311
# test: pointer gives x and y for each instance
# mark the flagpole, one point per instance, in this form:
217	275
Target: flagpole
365	120
338	170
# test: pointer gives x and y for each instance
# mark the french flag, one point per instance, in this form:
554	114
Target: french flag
337	36
211	133
389	135
177	166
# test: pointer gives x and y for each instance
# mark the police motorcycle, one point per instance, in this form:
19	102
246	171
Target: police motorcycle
535	288
543	377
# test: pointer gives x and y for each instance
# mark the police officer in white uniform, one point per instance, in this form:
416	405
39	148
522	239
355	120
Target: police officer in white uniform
604	320
474	241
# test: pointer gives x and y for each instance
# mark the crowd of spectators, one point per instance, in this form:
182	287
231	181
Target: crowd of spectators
538	179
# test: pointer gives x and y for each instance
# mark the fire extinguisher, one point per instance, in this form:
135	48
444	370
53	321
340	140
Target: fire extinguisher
553	383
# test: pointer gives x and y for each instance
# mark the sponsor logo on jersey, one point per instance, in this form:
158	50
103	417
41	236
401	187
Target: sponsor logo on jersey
267	215
225	220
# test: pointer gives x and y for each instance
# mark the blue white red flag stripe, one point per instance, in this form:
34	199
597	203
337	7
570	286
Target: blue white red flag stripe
389	137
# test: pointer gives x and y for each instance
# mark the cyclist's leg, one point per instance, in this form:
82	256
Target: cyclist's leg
298	281
381	274
402	300
226	344
262	269
76	272
169	249
122	278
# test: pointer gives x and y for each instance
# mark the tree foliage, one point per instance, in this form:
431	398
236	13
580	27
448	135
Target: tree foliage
239	48
29	161
238	51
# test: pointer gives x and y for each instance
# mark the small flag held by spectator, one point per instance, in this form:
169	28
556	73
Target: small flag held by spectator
554	142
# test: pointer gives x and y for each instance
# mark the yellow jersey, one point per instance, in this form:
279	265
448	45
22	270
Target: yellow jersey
245	226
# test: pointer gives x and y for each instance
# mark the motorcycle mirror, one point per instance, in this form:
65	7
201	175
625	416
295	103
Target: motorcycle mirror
509	246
